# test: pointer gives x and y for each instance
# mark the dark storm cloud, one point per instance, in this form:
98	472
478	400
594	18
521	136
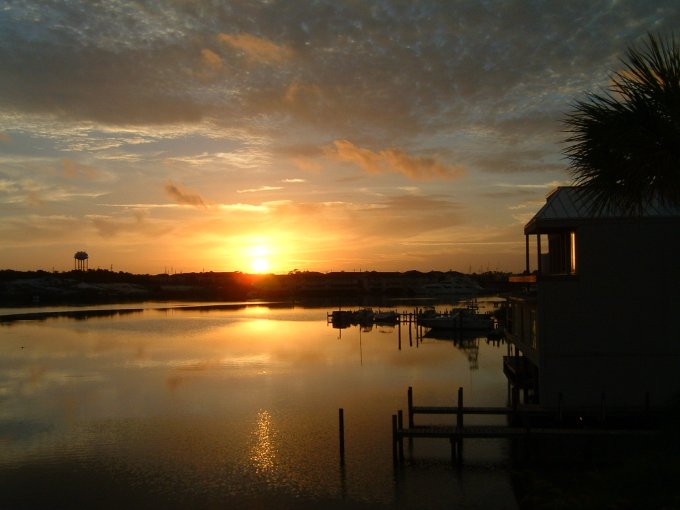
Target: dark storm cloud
395	67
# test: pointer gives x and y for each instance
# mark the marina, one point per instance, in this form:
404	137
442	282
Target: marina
459	318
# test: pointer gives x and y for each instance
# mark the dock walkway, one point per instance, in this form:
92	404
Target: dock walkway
521	425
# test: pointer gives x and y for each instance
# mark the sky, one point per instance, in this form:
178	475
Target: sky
273	136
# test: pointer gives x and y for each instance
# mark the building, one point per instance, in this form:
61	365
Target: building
598	321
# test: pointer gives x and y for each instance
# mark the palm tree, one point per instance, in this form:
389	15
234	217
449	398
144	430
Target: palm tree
624	147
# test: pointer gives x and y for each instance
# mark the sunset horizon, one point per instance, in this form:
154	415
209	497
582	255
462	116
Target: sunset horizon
273	137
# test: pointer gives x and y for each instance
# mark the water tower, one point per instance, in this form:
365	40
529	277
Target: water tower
80	261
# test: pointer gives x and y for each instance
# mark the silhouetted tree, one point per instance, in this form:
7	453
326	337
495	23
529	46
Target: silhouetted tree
625	141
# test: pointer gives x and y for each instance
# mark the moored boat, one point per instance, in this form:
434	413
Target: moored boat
389	316
467	318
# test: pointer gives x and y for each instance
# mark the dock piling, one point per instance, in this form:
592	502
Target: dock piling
528	422
400	426
341	426
395	438
459	427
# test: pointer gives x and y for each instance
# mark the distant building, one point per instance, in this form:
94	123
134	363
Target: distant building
599	319
80	261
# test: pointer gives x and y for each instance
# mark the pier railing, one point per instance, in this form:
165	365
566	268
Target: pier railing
523	422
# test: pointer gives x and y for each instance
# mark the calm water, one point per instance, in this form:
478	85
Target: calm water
234	407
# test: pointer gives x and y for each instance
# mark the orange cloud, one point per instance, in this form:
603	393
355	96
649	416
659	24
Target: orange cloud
307	164
184	197
257	48
211	60
393	160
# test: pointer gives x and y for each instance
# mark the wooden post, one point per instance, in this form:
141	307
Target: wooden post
410	407
410	332
399	329
459	414
515	404
526	254
459	425
400	426
341	426
395	452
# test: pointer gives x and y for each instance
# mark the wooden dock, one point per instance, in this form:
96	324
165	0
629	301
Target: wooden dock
521	425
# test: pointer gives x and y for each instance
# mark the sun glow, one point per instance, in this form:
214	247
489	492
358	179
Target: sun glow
259	265
261	253
259	259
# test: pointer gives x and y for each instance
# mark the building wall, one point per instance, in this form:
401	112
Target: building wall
523	326
612	327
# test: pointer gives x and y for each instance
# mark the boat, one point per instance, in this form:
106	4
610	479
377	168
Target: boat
386	317
364	317
441	321
472	319
341	319
467	318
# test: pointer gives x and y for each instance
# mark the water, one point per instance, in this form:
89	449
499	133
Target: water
236	407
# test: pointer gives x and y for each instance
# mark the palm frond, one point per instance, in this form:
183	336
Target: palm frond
623	144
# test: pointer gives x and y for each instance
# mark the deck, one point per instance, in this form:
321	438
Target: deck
523	422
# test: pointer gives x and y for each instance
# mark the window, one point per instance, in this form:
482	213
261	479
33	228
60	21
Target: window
562	253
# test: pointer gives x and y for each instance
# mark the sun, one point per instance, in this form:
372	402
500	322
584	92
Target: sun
259	265
259	259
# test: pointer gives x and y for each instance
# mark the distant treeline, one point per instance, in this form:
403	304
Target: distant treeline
26	288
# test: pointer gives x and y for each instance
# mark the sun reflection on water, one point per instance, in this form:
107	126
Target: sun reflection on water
263	452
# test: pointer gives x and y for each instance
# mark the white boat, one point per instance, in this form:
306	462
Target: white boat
441	321
467	318
478	321
472	319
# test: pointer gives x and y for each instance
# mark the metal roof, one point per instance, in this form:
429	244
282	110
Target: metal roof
567	205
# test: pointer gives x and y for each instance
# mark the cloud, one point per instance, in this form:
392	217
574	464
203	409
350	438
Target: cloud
125	87
393	161
509	160
246	208
137	225
72	170
257	48
184	197
307	164
260	188
385	219
237	95
211	60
